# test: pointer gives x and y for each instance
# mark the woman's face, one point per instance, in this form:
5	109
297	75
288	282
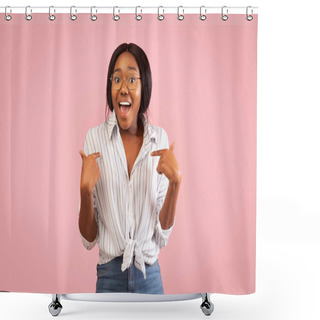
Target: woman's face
125	67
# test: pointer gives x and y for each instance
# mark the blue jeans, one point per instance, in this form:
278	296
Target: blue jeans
110	278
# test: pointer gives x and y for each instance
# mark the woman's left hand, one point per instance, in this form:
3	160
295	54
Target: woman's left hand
168	164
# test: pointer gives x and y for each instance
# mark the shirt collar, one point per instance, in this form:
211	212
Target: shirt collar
112	123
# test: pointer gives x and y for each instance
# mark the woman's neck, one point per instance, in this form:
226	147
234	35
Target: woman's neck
139	132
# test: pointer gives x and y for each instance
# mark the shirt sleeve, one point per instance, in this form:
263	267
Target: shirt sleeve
161	236
87	244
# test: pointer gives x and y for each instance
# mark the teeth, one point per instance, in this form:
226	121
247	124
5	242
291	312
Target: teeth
124	103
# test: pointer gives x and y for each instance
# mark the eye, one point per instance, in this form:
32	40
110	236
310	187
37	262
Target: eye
116	79
133	79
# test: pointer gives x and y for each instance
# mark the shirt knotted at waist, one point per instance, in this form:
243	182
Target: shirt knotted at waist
133	248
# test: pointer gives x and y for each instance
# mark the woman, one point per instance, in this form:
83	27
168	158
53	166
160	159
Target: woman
128	192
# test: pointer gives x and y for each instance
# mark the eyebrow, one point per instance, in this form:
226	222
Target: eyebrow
130	68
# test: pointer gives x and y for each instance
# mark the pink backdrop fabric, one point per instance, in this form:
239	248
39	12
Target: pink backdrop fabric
53	89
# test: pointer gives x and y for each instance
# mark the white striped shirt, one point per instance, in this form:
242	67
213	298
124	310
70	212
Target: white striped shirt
127	210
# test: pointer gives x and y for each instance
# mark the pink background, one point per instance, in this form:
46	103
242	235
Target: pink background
52	88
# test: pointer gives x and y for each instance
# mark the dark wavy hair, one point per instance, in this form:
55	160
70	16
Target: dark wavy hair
145	75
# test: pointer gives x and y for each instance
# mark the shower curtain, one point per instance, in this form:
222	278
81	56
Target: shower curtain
204	97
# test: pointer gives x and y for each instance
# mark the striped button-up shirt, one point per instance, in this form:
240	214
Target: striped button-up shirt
127	210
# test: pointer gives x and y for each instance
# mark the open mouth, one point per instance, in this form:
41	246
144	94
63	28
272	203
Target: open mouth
124	108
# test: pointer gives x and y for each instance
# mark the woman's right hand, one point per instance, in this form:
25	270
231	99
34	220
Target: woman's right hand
90	173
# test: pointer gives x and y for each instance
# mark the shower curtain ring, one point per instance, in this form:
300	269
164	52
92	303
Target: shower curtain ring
73	16
160	16
224	17
249	17
51	16
7	16
203	16
28	16
138	16
93	17
180	16
115	16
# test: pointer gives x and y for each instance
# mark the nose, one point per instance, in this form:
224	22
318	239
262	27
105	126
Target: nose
124	88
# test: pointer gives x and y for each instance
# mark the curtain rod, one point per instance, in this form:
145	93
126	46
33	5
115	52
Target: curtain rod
126	9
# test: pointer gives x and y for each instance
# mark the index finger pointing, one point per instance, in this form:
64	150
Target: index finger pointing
96	154
157	152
